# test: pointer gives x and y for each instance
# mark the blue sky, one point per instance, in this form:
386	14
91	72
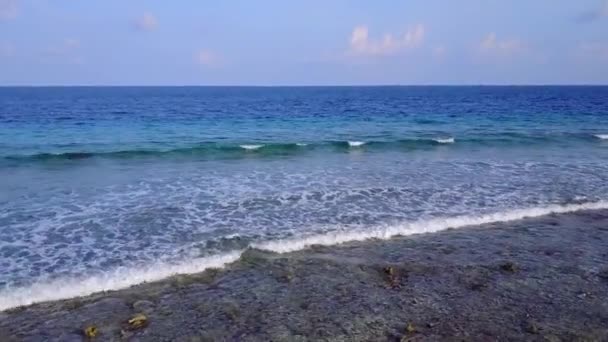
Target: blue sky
313	42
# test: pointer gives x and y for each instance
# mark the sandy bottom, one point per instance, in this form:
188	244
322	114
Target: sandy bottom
542	279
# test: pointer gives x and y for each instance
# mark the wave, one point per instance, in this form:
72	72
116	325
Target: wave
251	147
423	227
126	277
114	280
217	150
211	150
445	140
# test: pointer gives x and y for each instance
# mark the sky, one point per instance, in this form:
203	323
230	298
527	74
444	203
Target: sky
307	42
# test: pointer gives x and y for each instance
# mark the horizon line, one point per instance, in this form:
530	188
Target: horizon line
302	85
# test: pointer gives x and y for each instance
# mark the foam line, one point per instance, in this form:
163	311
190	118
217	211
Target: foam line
114	280
421	227
123	278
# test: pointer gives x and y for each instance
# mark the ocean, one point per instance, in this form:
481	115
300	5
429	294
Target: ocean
106	187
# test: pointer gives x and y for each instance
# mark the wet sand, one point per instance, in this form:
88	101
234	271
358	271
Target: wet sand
539	279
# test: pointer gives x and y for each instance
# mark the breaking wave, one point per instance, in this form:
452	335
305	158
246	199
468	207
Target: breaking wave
125	277
445	140
217	150
251	147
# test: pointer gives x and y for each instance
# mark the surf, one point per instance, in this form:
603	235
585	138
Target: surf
251	147
125	277
444	140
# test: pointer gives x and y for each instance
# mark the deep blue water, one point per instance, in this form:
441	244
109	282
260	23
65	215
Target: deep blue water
94	179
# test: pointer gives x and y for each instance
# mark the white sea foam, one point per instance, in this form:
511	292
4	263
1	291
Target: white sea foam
301	144
251	147
445	140
421	227
113	280
356	143
123	278
602	136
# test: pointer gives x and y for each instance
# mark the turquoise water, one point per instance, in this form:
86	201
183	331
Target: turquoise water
103	186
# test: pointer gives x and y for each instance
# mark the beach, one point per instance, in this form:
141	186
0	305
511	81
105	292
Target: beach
300	171
303	213
540	279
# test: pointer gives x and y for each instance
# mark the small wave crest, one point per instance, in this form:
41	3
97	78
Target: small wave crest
444	140
356	143
214	150
251	147
210	149
601	136
126	277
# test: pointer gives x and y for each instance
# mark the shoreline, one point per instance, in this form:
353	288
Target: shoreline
123	278
535	278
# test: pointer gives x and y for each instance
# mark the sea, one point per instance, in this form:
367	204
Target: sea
102	188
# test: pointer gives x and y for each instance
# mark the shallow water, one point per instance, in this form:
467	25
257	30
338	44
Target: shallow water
521	280
130	184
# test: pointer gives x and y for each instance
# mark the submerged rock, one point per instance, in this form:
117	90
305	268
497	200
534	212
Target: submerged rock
508	267
144	306
603	274
531	327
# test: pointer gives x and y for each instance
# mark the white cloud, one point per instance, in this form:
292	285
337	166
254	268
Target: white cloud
206	58
8	9
362	44
147	22
493	46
